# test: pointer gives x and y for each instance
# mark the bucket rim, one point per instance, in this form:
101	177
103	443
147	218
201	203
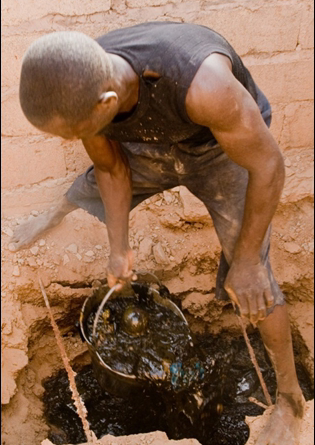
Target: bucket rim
156	295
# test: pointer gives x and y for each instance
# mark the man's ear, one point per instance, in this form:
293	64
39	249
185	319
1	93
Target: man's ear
106	97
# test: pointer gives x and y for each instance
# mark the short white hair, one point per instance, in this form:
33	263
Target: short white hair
63	74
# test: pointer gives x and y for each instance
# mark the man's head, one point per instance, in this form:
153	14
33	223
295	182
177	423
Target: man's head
64	77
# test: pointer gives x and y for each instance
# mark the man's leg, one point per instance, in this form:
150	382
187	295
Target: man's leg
151	174
83	193
221	185
28	232
284	423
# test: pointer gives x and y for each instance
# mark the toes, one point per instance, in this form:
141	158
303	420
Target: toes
16	237
15	246
17	242
276	433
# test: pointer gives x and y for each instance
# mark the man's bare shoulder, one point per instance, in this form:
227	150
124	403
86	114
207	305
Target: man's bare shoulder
212	89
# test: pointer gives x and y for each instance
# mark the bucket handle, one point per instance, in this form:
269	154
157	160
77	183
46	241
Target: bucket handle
99	310
109	293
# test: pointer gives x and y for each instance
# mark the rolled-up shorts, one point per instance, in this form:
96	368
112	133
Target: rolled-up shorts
207	172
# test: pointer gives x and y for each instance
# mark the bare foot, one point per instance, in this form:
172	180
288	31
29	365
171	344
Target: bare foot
34	227
30	230
283	426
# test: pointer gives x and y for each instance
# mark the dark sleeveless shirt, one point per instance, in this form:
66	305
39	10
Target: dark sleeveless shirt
175	51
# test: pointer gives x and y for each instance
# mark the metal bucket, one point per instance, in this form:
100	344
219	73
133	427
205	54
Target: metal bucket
115	382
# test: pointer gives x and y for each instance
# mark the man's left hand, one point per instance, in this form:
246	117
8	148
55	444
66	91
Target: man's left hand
248	287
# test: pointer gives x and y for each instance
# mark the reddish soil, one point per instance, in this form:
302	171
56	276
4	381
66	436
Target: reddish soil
170	239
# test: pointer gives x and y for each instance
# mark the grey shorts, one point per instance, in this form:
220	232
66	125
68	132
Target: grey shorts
206	171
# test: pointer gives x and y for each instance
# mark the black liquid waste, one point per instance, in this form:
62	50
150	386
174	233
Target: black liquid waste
138	336
210	405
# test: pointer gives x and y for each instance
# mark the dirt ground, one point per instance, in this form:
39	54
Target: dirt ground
172	236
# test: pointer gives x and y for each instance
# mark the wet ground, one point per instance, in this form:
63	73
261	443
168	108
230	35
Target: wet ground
223	398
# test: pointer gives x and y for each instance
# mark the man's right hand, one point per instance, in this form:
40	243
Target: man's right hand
119	269
113	177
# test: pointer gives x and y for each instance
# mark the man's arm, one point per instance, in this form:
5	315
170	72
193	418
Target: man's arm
113	178
235	121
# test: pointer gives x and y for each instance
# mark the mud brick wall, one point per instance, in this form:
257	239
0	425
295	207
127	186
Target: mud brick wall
274	38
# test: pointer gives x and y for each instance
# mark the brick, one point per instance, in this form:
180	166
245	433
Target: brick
306	38
76	157
277	121
298	129
299	181
284	81
145	3
150	13
186	11
14	14
12	50
118	5
14	123
268	28
27	162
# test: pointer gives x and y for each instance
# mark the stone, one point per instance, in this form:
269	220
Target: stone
98	247
155	198
292	248
168	197
140	234
88	260
34	250
145	248
42	242
66	259
159	254
31	262
79	256
89	253
72	248
172	220
194	210
16	271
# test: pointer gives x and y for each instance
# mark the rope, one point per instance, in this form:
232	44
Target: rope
254	361
81	409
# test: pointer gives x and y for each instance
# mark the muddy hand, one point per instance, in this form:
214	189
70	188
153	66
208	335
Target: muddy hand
248	287
119	270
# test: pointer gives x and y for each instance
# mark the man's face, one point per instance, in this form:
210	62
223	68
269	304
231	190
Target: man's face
82	130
